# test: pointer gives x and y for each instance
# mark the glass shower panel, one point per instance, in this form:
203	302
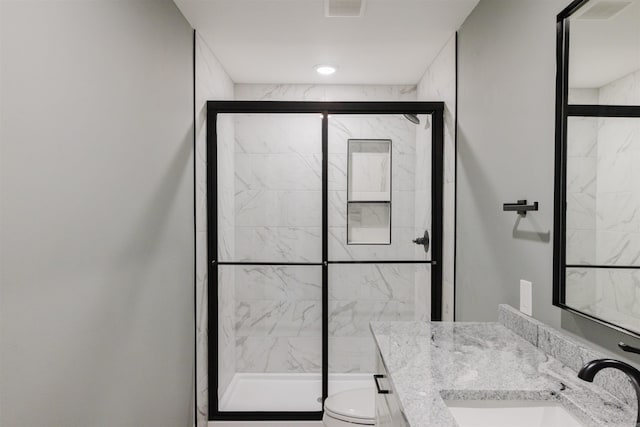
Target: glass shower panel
269	185
269	229
379	202
362	293
270	338
367	220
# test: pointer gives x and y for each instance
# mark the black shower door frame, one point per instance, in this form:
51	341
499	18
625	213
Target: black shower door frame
435	109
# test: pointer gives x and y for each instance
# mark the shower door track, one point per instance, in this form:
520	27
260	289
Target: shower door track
435	109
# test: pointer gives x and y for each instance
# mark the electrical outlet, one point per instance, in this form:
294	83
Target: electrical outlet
526	297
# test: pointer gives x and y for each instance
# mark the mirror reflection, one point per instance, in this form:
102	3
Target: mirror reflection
602	274
604	53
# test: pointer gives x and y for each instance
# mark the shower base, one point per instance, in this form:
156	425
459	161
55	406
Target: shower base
285	392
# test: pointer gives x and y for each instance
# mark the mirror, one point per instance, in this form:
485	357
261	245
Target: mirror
597	237
604	53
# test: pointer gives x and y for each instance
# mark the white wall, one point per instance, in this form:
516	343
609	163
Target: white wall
96	226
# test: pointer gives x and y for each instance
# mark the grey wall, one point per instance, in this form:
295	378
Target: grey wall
506	95
506	122
96	225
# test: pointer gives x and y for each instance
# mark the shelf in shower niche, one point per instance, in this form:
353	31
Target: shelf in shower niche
369	170
369	223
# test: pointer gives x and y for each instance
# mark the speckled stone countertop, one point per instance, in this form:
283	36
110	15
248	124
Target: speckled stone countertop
429	362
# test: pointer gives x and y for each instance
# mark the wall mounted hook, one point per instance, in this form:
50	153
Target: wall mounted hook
520	206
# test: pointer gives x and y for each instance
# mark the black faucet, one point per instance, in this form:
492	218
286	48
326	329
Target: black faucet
589	371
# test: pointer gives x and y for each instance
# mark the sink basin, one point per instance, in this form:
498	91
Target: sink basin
511	413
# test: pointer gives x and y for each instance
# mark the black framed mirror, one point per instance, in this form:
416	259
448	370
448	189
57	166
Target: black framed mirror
597	183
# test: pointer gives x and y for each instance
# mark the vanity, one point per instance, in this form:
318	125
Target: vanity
517	370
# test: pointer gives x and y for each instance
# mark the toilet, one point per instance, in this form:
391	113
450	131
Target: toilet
350	408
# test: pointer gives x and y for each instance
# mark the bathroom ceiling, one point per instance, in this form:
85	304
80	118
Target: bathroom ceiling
281	41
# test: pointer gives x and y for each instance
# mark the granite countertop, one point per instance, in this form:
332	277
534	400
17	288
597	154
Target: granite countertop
431	361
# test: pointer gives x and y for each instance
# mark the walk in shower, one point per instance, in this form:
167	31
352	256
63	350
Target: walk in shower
323	217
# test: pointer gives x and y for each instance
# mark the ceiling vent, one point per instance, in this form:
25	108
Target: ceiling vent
602	10
344	8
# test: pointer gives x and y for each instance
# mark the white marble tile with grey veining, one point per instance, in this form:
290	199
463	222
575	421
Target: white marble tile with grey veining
352	317
618	135
614	172
618	248
617	297
278	171
279	354
618	211
401	247
278	318
582	137
373	282
439	84
581	246
302	92
289	283
278	244
278	208
580	287
581	175
278	133
430	362
581	211
212	82
623	91
370	93
352	355
279	92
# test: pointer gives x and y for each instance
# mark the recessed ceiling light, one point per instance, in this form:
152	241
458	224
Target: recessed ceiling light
325	70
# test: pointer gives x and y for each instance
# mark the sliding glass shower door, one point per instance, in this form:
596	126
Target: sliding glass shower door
379	235
323	217
269	181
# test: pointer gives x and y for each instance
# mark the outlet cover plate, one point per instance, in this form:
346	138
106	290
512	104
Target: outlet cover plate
526	297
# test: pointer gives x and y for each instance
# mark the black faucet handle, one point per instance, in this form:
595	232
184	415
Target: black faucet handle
628	348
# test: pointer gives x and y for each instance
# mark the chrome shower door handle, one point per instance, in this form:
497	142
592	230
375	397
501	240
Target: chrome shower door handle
424	241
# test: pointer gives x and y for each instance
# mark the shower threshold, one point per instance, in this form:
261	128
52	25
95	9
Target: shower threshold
285	392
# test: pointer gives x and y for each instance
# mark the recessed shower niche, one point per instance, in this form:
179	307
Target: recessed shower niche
369	192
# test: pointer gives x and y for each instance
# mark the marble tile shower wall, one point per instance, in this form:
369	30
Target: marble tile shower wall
439	83
212	82
278	319
278	309
422	217
406	225
226	278
582	138
278	184
362	293
278	218
359	294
